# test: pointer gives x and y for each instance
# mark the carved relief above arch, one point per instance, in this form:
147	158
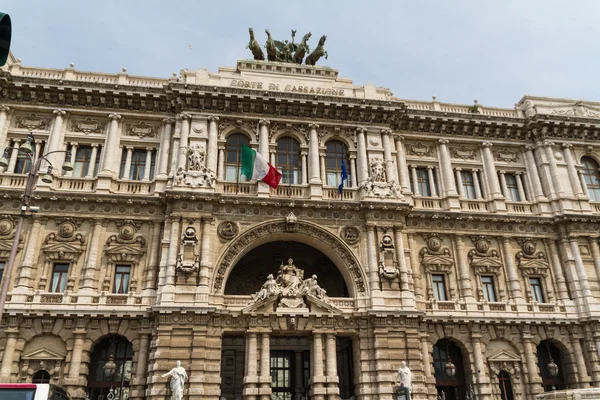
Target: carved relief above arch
230	126
300	231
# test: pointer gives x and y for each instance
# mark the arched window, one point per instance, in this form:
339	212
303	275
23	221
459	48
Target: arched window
546	352
288	160
42	376
591	174
506	392
453	387
110	368
233	158
336	152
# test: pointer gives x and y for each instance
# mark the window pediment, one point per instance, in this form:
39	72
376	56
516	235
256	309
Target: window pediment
43	354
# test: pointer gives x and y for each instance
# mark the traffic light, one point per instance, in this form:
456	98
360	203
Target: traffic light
5	33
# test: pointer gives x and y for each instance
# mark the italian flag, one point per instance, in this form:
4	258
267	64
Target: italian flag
255	167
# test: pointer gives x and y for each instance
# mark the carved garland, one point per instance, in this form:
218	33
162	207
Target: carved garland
281	226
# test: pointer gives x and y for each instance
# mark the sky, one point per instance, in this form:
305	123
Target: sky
459	51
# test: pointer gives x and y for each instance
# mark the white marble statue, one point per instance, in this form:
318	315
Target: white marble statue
404	377
178	378
268	289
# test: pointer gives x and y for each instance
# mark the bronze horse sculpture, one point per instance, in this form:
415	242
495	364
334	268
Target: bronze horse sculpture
318	53
270	46
302	49
255	47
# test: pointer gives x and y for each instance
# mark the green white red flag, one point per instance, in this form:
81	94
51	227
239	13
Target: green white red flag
256	167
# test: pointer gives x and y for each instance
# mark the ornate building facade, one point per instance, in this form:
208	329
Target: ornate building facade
466	237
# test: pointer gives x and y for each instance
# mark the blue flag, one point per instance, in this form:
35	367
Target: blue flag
344	177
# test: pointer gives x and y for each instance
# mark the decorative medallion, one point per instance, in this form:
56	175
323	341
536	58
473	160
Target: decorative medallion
32	121
227	230
141	130
530	261
463	152
506	155
482	259
188	261
88	125
419	150
578	110
350	234
7	225
434	257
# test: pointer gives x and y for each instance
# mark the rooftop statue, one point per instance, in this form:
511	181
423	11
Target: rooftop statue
255	47
318	53
287	51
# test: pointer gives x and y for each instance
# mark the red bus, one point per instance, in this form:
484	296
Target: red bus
32	391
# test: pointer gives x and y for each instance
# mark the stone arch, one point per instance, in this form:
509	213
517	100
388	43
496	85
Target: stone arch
238	129
567	356
592	156
45	352
300	231
294	135
340	138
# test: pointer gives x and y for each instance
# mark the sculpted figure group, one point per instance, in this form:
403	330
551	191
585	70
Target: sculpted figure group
287	51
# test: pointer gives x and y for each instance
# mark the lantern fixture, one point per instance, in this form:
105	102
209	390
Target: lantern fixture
110	367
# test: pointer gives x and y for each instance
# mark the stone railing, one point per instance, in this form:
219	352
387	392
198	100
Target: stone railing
595	207
74	184
94	77
73	298
13	180
292	191
460	108
428	203
473	205
571	394
236	301
240	188
132	187
518	208
334	194
42	73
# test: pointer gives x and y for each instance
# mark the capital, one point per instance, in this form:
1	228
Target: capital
186	116
530	147
168	120
213	118
59	112
352	156
548	143
502	172
313	126
458	169
398	228
518	173
264	122
129	147
443	141
149	148
303	153
475	170
567	145
360	129
114	117
487	144
95	145
430	167
74	144
386	131
221	148
4	108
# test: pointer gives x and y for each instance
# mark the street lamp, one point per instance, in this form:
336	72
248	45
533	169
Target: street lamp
28	149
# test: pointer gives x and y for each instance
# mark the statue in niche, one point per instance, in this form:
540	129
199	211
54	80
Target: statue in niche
289	278
377	183
178	377
196	157
404	377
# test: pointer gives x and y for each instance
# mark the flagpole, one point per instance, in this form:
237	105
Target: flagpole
237	171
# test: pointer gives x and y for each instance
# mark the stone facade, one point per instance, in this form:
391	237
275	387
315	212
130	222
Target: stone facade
461	227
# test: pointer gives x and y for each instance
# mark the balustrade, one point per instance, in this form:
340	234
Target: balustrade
518	208
428	203
132	187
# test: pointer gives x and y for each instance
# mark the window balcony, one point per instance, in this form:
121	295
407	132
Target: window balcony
518	208
65	183
428	203
473	205
293	191
595	206
349	194
8	180
132	187
237	188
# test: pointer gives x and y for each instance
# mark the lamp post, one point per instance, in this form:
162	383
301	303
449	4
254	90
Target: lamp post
110	367
28	148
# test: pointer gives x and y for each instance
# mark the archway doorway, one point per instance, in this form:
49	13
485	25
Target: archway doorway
42	376
548	353
252	270
110	368
506	392
450	386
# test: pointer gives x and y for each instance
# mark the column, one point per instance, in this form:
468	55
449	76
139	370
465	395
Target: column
92	166
533	373
582	275
480	370
173	252
9	352
372	255
110	163
429	378
593	338
363	161
333	390
127	169
148	165
401	259
142	359
263	137
183	142
24	280
317	380
304	171
461	189
204	251
299	373
463	268
76	353
563	293
511	270
313	154
3	117
73	153
475	173
165	143
595	248
584	185
413	172
503	183
12	162
402	168
572	170
89	271
221	169
583	378
432	186
353	176
251	378
553	168
532	170
265	367
446	165
520	189
272	155
152	265
55	141
415	265
390	170
322	166
490	170
213	137
568	260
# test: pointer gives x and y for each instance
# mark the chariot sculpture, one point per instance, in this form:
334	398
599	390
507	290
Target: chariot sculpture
287	51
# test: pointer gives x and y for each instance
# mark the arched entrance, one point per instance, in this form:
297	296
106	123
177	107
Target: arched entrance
42	376
451	382
110	368
506	391
252	270
551	366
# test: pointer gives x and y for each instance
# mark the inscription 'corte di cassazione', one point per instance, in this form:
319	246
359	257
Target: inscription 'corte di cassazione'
287	88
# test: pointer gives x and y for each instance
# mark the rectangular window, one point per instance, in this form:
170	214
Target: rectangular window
122	275
83	160
489	292
137	167
59	277
468	184
512	188
439	287
423	185
23	163
536	290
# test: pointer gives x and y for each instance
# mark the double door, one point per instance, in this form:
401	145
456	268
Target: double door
290	371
